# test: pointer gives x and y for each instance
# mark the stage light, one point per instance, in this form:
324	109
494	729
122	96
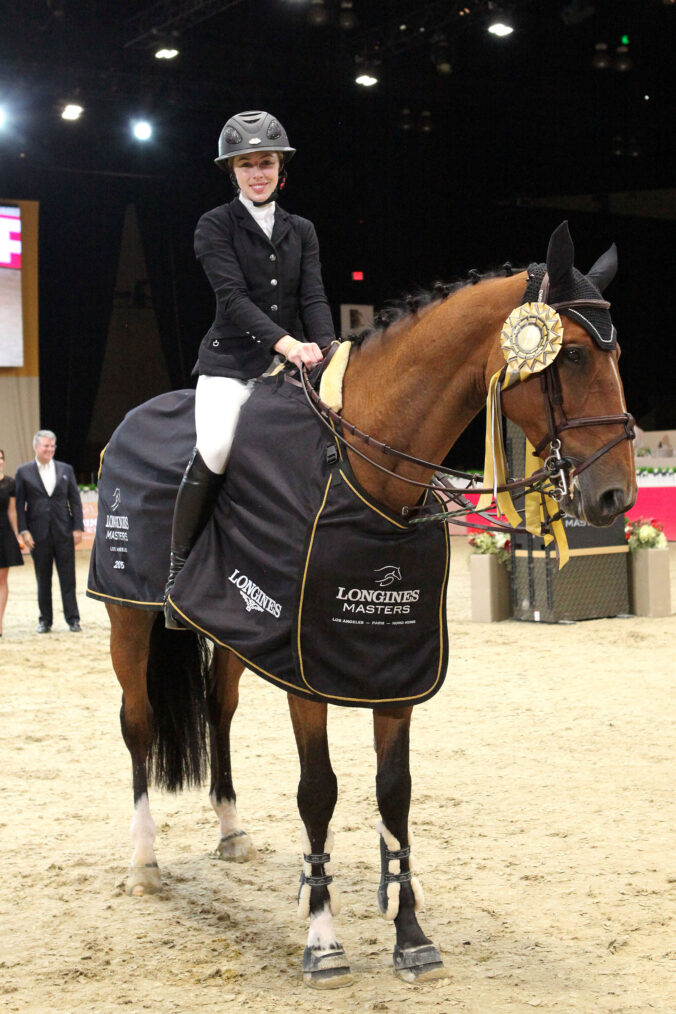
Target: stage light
357	276
318	14
3	117
365	74
406	121
622	61
72	111
142	130
441	55
601	58
166	52
500	28
347	19
426	124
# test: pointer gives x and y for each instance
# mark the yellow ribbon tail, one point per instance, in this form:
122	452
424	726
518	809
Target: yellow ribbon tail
540	507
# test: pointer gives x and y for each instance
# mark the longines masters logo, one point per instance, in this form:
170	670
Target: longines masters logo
254	597
380	601
117	529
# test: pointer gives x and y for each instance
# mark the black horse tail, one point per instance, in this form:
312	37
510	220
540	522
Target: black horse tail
177	677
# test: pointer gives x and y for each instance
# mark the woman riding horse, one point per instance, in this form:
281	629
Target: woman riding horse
415	385
263	266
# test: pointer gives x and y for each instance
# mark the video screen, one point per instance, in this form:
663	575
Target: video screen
11	315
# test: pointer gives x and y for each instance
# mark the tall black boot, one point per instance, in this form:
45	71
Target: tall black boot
194	505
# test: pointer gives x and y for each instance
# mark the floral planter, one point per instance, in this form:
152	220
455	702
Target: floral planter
650	588
489	579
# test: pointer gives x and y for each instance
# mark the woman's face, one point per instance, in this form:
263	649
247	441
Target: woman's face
257	174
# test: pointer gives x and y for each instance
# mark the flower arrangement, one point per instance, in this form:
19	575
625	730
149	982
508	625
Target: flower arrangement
644	533
494	543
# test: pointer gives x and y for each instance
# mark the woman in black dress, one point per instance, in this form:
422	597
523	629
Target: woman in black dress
10	553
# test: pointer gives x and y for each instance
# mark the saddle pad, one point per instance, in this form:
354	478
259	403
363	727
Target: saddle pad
140	473
313	585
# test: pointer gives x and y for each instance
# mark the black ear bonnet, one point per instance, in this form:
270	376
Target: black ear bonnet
566	284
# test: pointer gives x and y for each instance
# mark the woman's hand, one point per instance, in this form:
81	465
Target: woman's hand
299	353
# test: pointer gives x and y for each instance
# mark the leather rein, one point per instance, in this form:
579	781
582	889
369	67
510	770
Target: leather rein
557	470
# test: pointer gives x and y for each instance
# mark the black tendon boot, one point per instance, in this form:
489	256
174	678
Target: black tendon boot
194	504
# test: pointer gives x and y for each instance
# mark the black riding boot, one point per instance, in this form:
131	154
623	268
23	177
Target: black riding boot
194	504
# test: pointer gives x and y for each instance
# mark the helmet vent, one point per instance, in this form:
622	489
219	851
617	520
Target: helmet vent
232	136
250	119
274	130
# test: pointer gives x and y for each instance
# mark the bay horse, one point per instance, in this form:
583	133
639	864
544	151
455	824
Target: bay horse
415	383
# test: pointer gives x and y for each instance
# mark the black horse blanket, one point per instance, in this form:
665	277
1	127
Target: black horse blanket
315	586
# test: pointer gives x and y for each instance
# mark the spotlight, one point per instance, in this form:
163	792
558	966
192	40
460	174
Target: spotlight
426	126
366	74
166	52
3	118
72	111
499	21
142	130
622	59
406	120
347	19
500	28
318	14
441	55
601	58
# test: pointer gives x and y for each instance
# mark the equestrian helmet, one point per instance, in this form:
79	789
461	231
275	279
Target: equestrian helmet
254	130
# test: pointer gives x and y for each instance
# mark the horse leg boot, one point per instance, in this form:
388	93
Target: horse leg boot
235	845
325	965
400	895
194	505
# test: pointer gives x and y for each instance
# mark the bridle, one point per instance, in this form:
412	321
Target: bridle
554	478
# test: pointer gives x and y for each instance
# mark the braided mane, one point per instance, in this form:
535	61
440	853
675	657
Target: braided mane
408	310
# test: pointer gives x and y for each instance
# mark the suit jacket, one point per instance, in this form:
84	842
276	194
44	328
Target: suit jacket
58	515
265	288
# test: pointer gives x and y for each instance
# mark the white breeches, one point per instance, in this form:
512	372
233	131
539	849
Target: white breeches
218	402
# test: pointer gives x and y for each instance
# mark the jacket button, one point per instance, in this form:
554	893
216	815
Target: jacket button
273	257
273	281
274	307
215	343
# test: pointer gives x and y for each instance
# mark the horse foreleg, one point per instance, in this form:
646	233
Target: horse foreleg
235	844
129	642
324	962
400	894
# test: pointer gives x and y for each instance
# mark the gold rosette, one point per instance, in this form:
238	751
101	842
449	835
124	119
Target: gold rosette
531	338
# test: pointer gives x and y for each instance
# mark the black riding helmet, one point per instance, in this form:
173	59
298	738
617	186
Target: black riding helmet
252	131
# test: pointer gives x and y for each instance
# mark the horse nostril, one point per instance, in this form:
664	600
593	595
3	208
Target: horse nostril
613	502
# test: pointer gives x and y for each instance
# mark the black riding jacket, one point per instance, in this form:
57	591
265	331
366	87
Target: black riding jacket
265	288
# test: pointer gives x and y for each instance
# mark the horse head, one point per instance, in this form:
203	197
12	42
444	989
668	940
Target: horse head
574	408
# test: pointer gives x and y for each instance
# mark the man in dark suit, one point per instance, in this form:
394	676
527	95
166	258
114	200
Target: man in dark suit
49	513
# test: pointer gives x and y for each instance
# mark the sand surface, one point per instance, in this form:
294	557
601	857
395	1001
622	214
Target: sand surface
544	813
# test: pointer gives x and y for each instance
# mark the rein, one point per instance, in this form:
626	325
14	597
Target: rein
557	470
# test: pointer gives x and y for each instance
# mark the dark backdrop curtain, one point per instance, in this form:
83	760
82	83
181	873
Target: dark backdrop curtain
80	234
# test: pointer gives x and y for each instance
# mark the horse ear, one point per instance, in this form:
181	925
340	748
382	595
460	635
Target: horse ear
560	255
605	269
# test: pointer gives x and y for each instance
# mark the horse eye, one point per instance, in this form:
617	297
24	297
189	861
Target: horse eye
573	355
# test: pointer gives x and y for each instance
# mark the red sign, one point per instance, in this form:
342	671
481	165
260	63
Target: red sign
10	238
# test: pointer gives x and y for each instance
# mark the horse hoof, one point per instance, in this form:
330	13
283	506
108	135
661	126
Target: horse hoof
418	964
236	847
326	968
144	880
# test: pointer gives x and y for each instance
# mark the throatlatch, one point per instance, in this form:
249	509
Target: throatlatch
392	876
